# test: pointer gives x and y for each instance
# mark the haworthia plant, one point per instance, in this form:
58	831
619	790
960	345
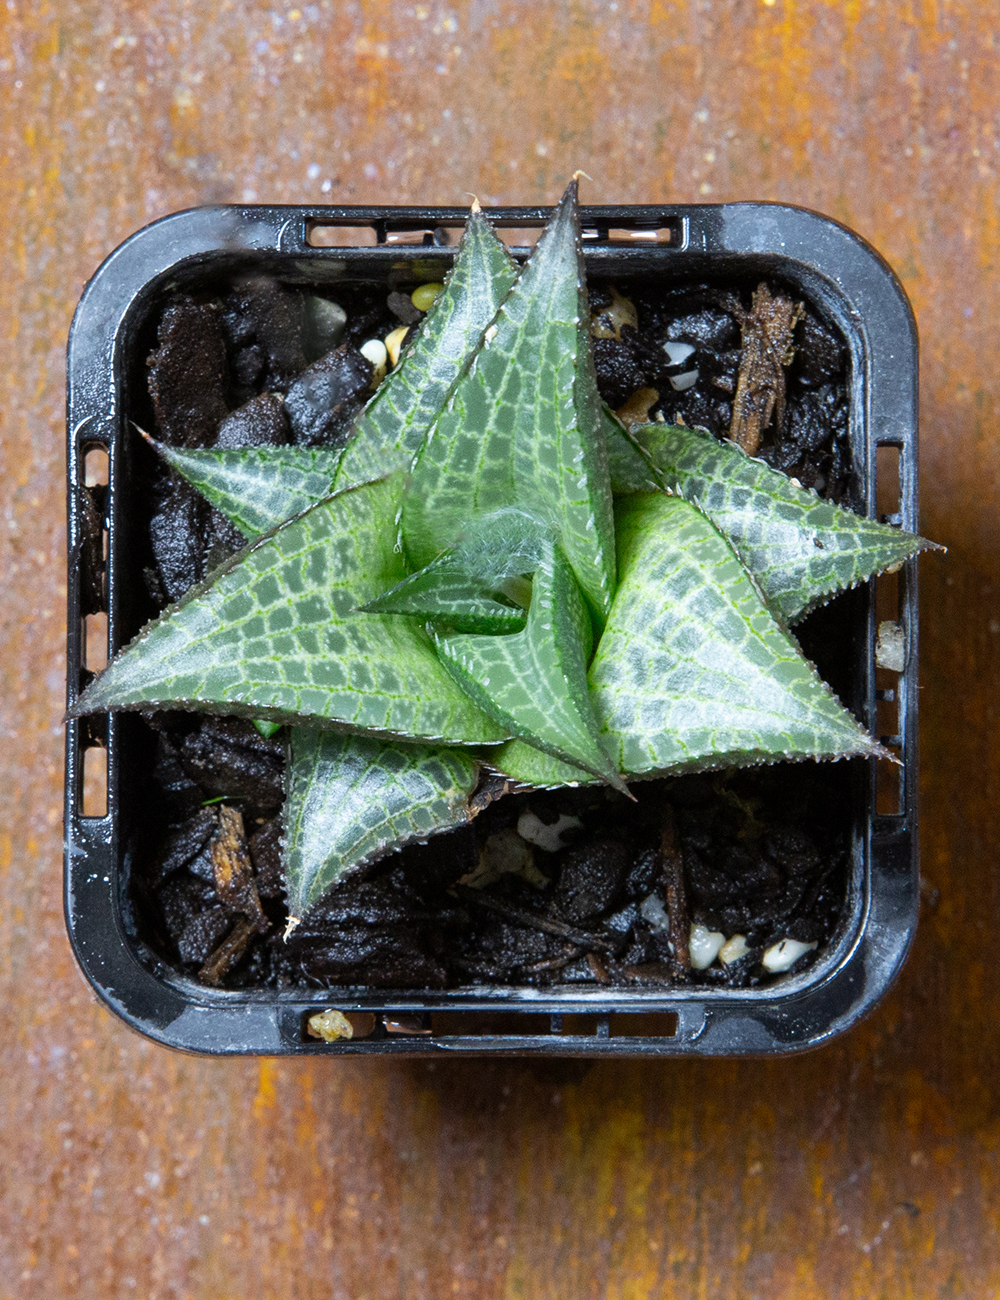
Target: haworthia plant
453	579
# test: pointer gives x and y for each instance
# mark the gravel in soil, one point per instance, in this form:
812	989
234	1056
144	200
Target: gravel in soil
567	886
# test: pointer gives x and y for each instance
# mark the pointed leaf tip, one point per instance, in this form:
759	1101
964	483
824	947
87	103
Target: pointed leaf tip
395	422
692	669
277	636
256	488
352	799
524	426
801	549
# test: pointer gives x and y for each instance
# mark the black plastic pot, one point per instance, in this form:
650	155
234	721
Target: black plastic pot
845	280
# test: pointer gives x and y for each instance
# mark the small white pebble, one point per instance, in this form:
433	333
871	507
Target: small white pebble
376	352
733	949
679	383
394	342
785	953
704	946
549	838
654	913
678	352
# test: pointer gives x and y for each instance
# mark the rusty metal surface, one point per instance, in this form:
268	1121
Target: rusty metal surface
867	1169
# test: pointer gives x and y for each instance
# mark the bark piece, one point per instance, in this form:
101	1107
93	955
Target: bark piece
260	422
234	881
636	410
227	954
767	330
677	909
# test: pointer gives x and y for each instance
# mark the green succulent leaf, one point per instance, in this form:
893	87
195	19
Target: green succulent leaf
502	545
395	421
471	586
801	549
257	488
524	425
693	670
443	593
352	799
534	683
277	635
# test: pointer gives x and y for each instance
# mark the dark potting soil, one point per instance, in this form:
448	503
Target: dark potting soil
565	886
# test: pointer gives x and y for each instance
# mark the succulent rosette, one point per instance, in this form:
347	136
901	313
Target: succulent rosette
494	573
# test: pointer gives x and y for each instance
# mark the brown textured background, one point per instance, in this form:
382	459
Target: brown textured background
868	1169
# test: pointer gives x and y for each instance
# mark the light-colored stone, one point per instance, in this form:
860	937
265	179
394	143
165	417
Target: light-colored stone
550	838
704	946
781	956
733	949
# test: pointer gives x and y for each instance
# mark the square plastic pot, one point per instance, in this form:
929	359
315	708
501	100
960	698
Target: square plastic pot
847	282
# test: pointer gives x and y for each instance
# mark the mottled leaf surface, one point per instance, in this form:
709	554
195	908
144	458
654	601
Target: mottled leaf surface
800	548
524	425
444	593
465	586
351	799
535	682
393	424
278	635
257	488
692	669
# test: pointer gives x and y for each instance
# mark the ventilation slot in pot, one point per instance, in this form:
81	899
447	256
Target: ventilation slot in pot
890	641
450	1026
671	231
319	235
659	229
92	553
94	648
94	785
375	233
95	465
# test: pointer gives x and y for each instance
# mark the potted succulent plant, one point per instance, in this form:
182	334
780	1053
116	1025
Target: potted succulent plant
494	583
